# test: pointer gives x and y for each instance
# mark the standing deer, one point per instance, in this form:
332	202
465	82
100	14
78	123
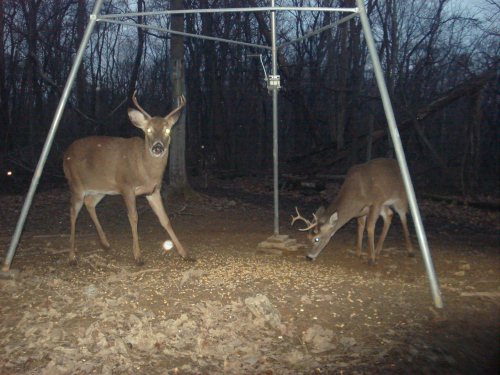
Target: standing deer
98	166
370	190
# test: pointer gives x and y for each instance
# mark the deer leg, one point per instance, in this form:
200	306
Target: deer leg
90	202
370	229
76	206
387	215
157	205
409	247
361	229
129	198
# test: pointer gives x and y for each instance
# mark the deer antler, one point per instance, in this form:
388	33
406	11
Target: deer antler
134	99
182	103
308	223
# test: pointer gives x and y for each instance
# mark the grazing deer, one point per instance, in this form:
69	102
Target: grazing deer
370	190
98	166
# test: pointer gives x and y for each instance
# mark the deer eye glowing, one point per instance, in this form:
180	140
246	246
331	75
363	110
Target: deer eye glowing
167	131
316	239
149	130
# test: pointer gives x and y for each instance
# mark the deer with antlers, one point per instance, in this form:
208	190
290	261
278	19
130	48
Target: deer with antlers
369	190
98	166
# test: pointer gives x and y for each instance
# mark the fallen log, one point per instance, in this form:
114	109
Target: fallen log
463	201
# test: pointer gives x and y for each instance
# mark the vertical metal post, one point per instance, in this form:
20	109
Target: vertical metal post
50	137
391	121
275	88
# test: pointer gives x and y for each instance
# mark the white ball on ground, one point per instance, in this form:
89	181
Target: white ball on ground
168	245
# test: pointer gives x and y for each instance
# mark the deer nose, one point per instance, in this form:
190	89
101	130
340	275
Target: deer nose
157	149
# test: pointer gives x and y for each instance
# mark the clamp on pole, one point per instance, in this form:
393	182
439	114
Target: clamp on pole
273	82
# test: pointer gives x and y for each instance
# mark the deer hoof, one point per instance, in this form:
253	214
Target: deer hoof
139	262
105	246
371	262
72	262
189	258
310	258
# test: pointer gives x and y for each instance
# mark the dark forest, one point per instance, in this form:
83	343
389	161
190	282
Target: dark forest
440	60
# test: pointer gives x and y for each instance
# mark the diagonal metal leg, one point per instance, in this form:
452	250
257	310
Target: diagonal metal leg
391	121
50	138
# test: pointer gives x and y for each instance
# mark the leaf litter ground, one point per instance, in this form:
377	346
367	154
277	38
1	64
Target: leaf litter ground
239	311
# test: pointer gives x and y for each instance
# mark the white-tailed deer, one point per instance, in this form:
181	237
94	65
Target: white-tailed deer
99	166
370	190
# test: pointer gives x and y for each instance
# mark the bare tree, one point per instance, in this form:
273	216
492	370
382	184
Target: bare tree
139	52
81	86
328	100
4	100
177	172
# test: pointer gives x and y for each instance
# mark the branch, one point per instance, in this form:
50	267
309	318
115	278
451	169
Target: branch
466	88
44	76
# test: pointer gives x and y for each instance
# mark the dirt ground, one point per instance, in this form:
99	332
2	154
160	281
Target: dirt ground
237	310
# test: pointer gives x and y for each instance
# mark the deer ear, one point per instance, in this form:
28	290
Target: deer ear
137	118
333	218
320	211
172	118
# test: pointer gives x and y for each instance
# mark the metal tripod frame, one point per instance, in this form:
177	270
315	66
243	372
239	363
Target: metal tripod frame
273	86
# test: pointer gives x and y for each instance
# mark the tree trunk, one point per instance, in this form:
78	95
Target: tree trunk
213	132
177	170
81	96
342	83
30	87
137	62
471	162
369	138
4	106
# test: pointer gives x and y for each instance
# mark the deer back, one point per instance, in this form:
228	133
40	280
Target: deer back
375	182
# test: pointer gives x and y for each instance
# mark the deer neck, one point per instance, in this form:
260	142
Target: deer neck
346	208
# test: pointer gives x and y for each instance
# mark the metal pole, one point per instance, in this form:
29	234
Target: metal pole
275	121
173	32
228	10
391	120
50	138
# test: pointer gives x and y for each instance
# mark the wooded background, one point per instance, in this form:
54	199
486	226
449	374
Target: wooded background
440	58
